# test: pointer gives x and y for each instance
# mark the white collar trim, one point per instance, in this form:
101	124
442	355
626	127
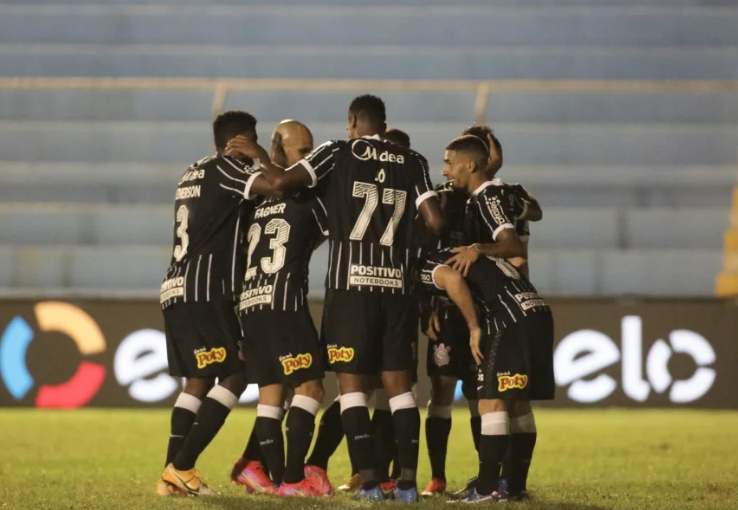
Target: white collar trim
373	137
493	182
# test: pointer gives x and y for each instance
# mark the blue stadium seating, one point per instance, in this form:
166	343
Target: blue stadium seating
636	186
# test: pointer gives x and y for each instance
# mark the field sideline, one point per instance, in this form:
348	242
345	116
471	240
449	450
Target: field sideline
585	460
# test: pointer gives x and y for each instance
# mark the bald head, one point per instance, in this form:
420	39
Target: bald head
291	141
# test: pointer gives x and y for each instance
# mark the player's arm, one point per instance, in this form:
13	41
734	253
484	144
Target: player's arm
426	198
521	263
242	180
458	291
306	173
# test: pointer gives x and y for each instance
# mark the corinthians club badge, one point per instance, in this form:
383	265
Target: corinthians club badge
441	355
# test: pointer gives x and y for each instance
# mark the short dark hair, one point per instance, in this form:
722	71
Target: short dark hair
397	137
231	124
369	108
472	145
482	131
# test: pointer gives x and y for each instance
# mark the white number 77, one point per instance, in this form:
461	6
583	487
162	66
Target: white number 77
395	197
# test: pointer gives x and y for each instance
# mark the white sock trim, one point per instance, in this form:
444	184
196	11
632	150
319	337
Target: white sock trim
381	400
189	402
495	424
473	408
306	403
350	400
525	424
224	396
404	401
438	411
273	412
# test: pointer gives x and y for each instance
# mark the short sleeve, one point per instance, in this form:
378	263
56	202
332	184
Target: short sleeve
321	161
320	214
236	177
495	210
422	183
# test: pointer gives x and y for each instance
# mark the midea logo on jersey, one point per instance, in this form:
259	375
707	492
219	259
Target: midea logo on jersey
584	353
364	151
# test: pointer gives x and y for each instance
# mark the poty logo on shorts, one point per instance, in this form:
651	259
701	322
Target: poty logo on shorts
53	316
340	355
214	355
509	382
297	363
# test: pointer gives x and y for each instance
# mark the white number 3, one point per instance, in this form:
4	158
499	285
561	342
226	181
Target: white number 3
184	240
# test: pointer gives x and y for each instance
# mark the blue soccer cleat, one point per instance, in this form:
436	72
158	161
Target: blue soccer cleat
503	494
408	495
475	497
374	494
470	486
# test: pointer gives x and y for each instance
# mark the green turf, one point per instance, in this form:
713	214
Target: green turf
585	460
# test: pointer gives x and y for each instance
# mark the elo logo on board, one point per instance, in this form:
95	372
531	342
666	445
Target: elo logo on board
583	353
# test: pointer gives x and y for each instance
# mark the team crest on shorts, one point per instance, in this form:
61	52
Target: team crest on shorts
214	355
441	355
511	382
293	363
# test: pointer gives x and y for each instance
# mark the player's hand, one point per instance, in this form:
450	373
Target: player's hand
464	258
241	146
434	325
475	339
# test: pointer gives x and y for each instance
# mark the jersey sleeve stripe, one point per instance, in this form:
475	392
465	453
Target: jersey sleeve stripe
309	169
321	227
249	184
325	211
238	168
433	275
500	229
230	176
425	196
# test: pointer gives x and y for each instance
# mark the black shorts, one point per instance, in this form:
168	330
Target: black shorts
281	347
203	339
450	355
518	361
370	332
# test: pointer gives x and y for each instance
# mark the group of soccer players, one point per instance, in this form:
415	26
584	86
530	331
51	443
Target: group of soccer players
453	258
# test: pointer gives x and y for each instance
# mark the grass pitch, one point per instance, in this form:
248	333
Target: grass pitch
585	460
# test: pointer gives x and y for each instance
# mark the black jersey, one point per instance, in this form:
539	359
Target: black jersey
520	198
206	262
491	208
281	237
454	204
372	191
504	294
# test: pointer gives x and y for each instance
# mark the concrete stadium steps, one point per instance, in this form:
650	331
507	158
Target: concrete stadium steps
568	186
524	144
370	62
452	25
617	272
593	272
714	107
388	3
563	228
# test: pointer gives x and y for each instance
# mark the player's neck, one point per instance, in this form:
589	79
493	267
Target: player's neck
475	181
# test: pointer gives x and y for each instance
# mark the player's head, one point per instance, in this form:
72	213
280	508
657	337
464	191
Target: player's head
465	161
397	137
232	124
291	141
495	150
366	117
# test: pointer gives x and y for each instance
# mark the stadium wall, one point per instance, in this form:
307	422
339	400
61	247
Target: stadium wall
609	352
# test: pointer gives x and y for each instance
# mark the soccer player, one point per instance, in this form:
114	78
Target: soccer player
291	141
281	344
514	357
371	316
449	357
198	298
492	227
